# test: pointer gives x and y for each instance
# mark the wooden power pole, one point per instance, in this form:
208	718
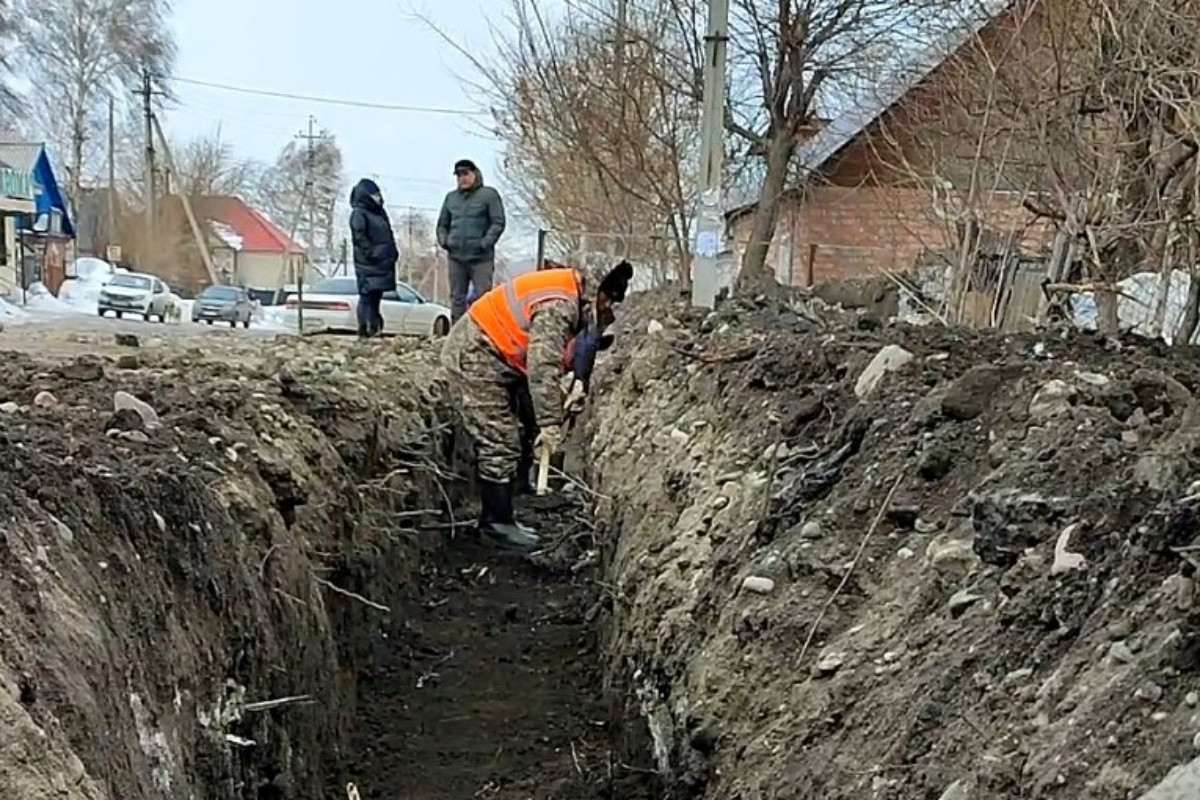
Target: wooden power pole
112	237
197	231
147	92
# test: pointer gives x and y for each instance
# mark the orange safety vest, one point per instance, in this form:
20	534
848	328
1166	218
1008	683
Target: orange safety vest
504	312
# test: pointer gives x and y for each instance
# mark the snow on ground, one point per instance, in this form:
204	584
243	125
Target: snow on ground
12	314
270	317
81	291
39	298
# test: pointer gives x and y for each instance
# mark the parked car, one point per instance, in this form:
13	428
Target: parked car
230	304
135	293
332	305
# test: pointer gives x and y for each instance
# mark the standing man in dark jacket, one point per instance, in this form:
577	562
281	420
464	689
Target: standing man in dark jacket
468	228
375	254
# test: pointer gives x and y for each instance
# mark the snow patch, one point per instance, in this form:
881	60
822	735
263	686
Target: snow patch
39	298
1135	308
228	236
81	292
11	314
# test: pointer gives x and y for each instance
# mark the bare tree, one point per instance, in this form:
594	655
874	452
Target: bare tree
1093	106
599	143
787	58
282	188
956	149
79	53
12	32
208	165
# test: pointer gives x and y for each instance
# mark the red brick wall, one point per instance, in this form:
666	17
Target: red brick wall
873	210
837	232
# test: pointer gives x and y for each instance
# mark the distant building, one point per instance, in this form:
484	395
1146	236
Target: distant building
252	251
97	217
246	248
37	218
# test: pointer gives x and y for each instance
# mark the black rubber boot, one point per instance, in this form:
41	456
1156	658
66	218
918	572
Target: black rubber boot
524	471
496	522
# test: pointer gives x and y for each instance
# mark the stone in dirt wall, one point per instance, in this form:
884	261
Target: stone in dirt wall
963	580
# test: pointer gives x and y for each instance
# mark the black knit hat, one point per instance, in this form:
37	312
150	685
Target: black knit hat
465	163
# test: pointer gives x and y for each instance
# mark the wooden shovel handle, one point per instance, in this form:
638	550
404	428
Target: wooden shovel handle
543	479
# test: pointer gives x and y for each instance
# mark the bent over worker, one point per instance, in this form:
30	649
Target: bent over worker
515	335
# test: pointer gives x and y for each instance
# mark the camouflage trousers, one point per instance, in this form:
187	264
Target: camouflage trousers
485	391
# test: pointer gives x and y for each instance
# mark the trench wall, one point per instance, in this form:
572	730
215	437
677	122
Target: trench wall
159	585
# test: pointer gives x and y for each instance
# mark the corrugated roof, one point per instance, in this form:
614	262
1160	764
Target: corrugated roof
20	155
834	137
817	151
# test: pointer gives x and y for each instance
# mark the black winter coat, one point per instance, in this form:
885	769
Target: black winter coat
375	252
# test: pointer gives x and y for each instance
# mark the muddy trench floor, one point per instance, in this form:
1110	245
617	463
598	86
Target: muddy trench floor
489	685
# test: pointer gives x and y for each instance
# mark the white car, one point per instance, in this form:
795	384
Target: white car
332	305
135	293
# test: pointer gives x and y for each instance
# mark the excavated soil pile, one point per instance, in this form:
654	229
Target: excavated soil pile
848	560
242	575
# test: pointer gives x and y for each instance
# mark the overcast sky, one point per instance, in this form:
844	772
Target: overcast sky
371	51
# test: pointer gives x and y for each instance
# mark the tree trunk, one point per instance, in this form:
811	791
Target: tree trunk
1166	245
755	273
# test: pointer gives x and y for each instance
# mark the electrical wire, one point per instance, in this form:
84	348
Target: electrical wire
331	100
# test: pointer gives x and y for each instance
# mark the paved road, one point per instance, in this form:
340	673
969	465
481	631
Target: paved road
69	335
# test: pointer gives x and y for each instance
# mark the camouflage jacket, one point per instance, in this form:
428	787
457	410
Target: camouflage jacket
551	326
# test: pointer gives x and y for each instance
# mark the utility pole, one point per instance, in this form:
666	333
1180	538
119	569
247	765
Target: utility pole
197	232
710	222
620	72
310	163
112	237
147	92
408	255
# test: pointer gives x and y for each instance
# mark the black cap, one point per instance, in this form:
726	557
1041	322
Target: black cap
465	163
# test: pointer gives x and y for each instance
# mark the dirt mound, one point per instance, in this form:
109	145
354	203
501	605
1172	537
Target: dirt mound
853	561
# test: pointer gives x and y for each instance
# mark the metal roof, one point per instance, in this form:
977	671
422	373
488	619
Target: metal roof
20	155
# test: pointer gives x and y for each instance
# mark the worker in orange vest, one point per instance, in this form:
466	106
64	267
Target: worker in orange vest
513	337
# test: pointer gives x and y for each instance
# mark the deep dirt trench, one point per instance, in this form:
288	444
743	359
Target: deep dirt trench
490	686
192	608
1015	621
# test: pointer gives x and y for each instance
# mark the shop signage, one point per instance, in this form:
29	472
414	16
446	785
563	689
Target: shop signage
15	183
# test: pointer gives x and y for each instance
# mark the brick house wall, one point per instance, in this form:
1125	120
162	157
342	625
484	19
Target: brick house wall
833	233
873	209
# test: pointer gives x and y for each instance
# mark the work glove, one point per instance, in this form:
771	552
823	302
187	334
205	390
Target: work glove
574	391
549	438
575	400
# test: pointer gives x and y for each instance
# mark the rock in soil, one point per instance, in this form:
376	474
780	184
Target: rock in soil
970	395
1033	449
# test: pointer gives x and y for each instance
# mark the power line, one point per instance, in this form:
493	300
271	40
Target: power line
333	101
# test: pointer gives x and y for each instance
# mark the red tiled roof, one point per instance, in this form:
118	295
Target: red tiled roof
258	234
